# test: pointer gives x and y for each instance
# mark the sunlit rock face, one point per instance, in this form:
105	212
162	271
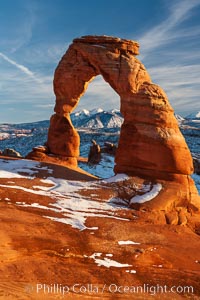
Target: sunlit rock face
150	139
154	144
151	144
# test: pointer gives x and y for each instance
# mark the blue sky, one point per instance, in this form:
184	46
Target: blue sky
34	34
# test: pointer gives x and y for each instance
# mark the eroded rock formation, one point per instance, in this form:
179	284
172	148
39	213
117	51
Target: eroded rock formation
151	144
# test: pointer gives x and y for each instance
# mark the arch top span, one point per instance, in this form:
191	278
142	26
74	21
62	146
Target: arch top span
89	56
110	43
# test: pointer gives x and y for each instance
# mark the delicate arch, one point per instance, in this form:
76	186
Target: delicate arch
150	142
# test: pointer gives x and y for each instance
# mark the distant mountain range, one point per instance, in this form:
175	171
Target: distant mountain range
97	119
194	116
179	119
84	119
95	124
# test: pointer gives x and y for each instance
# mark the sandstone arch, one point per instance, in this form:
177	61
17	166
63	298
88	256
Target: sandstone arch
150	144
150	138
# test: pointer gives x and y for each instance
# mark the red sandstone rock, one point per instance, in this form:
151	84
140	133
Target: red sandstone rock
152	137
151	144
63	139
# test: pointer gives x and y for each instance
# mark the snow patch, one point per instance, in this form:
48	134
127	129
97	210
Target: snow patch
128	243
76	209
7	174
82	113
17	187
12	168
5	199
73	207
131	271
106	262
94	123
116	178
115	122
179	118
96	111
148	196
196	121
114	111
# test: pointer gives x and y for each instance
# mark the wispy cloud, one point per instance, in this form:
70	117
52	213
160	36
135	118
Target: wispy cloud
17	25
22	68
180	72
164	32
183	91
22	89
44	106
170	50
24	95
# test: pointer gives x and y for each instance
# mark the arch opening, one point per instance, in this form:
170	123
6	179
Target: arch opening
99	93
97	117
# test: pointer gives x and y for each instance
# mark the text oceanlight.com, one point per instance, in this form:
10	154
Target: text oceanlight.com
108	288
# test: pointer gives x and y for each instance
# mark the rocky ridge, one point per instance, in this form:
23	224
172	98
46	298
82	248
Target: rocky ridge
60	226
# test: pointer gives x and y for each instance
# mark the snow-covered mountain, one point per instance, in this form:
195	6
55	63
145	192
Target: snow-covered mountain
88	119
94	119
96	111
97	119
179	118
82	114
194	116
